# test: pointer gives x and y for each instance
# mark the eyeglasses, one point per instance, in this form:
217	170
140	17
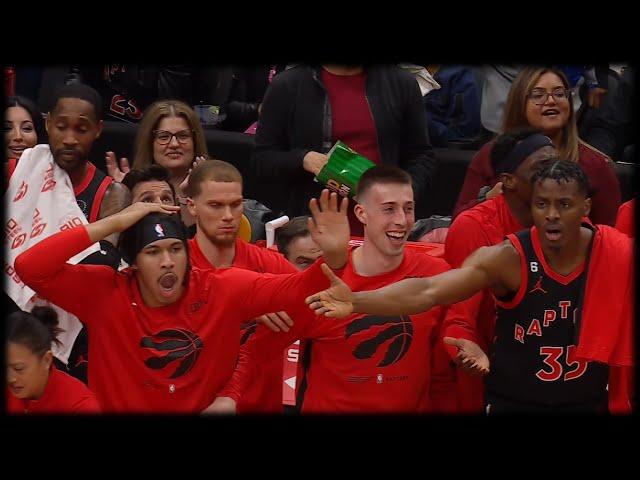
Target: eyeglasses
539	96
163	137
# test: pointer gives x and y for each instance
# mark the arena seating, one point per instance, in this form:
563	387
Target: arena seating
236	148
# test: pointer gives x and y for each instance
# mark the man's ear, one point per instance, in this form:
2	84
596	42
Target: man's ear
508	180
361	213
191	206
587	207
100	127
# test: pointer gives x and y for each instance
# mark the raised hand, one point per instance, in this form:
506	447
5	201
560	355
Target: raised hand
470	358
276	322
119	222
336	301
182	188
329	227
112	167
136	211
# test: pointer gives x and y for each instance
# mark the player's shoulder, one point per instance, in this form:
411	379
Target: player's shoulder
422	264
264	259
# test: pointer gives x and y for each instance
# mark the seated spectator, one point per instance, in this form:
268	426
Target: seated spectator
295	243
35	385
23	126
151	184
540	98
453	109
376	109
169	135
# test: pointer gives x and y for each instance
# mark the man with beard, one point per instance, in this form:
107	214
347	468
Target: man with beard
73	124
165	336
215	201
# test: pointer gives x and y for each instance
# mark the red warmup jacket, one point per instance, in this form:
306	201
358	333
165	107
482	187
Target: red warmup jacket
484	225
62	395
366	363
264	395
174	358
606	196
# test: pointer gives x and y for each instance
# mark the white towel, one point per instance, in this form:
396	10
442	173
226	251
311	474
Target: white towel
39	202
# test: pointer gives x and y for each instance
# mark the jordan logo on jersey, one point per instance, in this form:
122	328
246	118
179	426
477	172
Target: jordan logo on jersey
538	286
175	345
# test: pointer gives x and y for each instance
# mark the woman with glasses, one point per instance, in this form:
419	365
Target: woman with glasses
540	98
169	135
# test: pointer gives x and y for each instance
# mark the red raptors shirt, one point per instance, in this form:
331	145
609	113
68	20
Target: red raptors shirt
264	395
484	225
63	394
365	363
173	358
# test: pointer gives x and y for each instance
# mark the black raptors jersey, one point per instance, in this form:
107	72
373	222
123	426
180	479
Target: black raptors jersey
90	192
533	361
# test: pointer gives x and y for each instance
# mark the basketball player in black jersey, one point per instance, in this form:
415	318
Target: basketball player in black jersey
73	124
538	278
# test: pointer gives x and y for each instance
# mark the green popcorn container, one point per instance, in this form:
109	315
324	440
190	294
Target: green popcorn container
343	170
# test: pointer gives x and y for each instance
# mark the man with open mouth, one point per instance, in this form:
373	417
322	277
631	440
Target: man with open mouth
564	316
165	336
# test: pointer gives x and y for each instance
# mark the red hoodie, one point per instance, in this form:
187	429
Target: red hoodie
264	395
366	363
62	395
166	359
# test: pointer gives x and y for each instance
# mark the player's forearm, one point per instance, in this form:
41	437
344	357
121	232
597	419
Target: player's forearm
104	227
406	297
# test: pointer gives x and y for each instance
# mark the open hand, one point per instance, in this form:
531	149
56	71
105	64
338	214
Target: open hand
115	172
336	301
136	211
329	227
182	188
470	358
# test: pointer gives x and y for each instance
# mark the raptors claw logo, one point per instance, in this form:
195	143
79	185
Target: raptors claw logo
400	329
180	344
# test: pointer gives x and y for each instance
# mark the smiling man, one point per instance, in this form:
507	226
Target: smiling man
563	290
367	363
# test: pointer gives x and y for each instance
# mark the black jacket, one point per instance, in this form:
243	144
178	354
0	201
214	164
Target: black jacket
296	118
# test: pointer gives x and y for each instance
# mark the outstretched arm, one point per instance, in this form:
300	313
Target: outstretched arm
486	268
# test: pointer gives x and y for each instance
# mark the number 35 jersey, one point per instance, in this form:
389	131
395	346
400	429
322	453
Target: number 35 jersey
533	356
